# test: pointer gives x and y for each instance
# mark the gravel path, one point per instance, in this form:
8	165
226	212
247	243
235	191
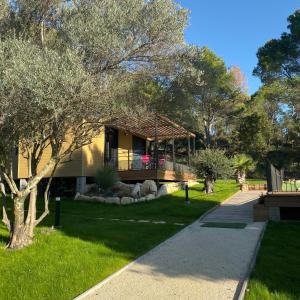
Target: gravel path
197	263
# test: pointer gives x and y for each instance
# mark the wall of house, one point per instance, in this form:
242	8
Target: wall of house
124	150
65	169
84	161
93	155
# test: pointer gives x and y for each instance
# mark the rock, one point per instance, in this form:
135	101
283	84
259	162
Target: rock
150	197
148	187
127	200
98	199
142	199
166	189
162	191
136	192
79	197
112	200
124	190
76	196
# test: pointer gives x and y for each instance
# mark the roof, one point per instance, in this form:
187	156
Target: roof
152	127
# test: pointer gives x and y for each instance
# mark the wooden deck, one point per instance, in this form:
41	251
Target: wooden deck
141	175
282	199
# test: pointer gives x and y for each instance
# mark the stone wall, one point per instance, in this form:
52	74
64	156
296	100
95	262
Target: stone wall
135	193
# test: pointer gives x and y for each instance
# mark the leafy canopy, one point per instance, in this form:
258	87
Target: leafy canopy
213	163
244	163
279	58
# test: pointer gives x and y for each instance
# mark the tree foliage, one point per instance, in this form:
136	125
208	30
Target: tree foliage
66	67
279	58
279	69
213	164
211	90
243	164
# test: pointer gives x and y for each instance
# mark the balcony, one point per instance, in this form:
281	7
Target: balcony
136	167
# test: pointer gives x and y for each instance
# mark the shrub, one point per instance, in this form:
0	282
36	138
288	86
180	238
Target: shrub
106	178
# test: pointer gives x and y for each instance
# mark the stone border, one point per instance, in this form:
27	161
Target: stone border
242	285
153	194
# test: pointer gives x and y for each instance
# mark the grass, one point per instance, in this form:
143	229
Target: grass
224	225
290	187
277	272
63	263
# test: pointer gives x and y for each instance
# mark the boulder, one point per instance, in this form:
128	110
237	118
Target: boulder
127	200
98	199
79	197
136	191
112	200
163	190
166	189
148	187
123	189
142	199
150	197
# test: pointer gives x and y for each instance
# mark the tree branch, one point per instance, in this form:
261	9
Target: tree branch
5	218
46	199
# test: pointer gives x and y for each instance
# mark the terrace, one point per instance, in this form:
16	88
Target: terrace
153	155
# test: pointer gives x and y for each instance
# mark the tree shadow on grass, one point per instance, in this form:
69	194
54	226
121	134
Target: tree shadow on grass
132	239
136	238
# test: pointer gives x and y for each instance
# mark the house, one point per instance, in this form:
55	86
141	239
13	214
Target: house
138	149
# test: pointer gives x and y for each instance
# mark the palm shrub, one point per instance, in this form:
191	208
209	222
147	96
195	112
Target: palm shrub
106	178
212	164
243	164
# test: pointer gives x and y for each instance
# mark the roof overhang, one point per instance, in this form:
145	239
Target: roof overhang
151	127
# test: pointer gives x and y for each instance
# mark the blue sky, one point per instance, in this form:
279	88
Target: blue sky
235	29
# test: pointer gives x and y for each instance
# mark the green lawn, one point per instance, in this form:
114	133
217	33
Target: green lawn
277	272
66	262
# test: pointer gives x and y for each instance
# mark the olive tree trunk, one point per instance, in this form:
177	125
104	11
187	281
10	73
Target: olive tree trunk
209	185
22	227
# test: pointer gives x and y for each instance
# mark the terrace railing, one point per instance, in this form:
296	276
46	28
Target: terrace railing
136	161
280	181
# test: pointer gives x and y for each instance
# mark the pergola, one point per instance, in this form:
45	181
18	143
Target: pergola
155	128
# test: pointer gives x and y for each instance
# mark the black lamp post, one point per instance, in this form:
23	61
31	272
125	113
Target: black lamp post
57	213
187	201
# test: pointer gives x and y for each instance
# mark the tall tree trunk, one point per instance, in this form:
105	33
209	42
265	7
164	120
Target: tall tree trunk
209	185
208	133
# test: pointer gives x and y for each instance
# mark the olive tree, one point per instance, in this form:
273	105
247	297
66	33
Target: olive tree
43	102
64	74
212	164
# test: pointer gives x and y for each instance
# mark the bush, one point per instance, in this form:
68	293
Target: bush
106	178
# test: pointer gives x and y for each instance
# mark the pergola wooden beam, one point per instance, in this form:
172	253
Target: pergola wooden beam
151	128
